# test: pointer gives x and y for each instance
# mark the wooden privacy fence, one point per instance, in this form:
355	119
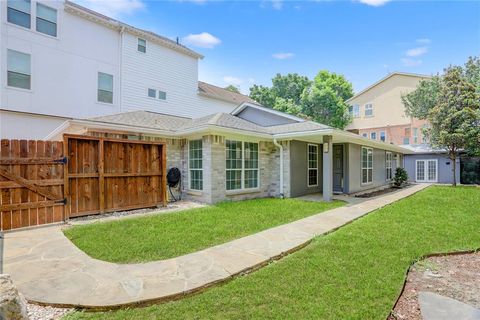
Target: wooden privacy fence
49	181
104	174
31	183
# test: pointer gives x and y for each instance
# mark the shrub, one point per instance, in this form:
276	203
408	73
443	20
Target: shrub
400	177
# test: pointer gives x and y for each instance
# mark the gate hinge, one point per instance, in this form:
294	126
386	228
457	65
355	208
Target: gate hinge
63	201
61	160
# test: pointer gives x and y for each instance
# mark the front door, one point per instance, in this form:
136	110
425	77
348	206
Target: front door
338	168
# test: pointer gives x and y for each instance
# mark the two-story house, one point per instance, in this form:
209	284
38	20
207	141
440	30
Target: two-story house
61	61
379	114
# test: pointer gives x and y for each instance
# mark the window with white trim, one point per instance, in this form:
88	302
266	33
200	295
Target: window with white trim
369	110
388	165
415	135
142	45
46	20
162	95
152	93
365	135
367	165
105	88
195	164
354	111
18	12
241	165
373	136
312	163
18	69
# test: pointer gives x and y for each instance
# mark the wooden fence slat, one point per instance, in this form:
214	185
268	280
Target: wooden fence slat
27	184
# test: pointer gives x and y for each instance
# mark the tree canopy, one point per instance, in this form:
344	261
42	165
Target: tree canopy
322	99
232	88
451	104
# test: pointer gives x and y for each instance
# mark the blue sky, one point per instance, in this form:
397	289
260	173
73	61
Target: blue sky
248	42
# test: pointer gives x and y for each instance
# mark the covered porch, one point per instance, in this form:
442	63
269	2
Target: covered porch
338	162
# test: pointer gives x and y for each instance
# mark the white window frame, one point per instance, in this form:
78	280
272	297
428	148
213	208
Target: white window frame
37	17
388	165
139	45
354	111
425	162
98	88
367	167
373	134
415	135
17	25
365	135
195	169
243	169
30	72
368	107
308	164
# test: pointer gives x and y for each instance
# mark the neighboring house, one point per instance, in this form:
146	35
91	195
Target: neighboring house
61	61
379	114
253	152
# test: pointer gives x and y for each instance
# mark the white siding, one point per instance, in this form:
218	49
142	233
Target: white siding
64	69
163	69
15	125
64	73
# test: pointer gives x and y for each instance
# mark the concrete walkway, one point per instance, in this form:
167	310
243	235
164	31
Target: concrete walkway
437	307
49	269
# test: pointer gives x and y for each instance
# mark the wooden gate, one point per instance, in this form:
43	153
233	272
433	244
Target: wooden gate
31	183
104	175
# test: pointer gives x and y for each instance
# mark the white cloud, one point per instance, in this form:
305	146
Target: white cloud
251	80
277	4
283	55
415	52
202	40
113	8
411	62
374	3
424	41
233	80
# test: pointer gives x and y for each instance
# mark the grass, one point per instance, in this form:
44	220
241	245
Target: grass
171	235
354	273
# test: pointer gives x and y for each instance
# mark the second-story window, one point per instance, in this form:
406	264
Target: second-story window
105	88
18	69
162	95
368	110
18	12
354	111
46	20
152	93
142	45
373	135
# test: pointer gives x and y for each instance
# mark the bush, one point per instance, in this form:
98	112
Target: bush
400	177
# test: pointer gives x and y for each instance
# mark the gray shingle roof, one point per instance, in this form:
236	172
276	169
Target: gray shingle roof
220	93
152	120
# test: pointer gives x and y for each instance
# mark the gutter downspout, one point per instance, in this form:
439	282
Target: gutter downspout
280	147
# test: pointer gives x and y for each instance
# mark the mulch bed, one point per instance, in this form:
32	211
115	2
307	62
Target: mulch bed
454	276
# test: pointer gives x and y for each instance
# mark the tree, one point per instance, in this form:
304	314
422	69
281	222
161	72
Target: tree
419	102
232	88
287	106
324	100
455	119
262	95
451	103
288	87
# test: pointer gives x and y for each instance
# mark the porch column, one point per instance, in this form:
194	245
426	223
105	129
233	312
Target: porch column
327	168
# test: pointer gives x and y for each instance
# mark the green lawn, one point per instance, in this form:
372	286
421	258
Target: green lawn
354	273
171	235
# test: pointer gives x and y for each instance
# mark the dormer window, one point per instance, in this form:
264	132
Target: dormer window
142	45
18	12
